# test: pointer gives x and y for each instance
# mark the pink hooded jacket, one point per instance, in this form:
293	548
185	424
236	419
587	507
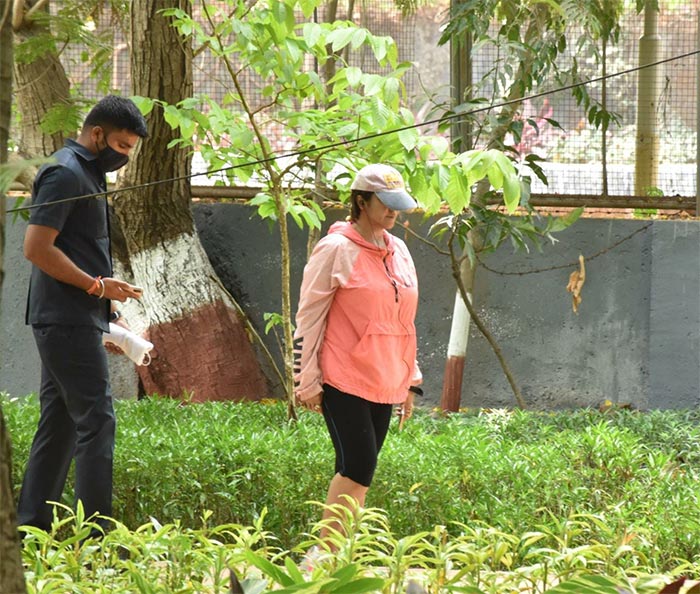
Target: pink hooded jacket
355	324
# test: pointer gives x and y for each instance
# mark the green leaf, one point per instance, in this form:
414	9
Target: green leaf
292	569
379	47
592	584
373	84
495	176
145	104
458	192
296	218
345	574
408	138
440	146
561	223
511	192
358	38
268	568
307	7
368	584
172	116
312	33
353	75
391	90
187	127
339	38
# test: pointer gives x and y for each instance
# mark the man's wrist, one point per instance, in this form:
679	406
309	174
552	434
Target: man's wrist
95	286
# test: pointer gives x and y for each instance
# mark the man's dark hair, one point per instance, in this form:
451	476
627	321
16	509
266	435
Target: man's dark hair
117	113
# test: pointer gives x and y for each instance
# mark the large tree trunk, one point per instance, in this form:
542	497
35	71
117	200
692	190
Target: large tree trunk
202	348
11	571
5	110
40	85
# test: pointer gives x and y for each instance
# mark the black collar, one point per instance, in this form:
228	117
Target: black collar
80	150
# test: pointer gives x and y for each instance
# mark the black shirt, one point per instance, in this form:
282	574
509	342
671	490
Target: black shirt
83	236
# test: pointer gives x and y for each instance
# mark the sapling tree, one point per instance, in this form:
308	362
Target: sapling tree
330	128
534	46
264	43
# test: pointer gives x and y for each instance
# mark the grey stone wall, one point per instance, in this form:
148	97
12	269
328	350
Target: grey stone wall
636	338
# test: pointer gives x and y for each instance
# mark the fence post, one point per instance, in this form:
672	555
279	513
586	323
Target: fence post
646	173
697	120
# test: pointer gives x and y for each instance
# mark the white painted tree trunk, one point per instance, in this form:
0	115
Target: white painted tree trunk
202	350
456	352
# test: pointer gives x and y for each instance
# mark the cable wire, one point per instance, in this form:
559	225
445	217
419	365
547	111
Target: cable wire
340	143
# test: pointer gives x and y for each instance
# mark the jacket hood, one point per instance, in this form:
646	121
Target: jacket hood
347	229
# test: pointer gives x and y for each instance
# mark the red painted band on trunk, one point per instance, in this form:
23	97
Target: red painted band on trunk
452	384
204	356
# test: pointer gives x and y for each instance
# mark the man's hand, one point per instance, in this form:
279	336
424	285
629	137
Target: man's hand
40	250
119	290
110	347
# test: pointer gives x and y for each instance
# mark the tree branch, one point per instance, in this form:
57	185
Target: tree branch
456	273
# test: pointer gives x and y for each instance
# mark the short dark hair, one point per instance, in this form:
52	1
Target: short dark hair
355	197
117	113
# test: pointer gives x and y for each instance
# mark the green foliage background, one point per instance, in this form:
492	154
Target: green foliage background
515	471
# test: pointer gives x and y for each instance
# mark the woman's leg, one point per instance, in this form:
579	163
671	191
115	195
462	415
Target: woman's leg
357	436
338	492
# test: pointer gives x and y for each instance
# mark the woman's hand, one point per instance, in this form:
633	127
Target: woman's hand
314	403
405	411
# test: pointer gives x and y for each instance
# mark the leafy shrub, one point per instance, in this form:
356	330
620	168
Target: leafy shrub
512	471
366	557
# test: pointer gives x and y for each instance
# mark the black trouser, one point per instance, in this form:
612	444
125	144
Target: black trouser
77	421
358	428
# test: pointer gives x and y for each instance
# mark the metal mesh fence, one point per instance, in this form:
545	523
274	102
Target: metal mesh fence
573	154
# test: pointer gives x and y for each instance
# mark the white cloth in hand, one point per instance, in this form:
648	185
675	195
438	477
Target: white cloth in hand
134	347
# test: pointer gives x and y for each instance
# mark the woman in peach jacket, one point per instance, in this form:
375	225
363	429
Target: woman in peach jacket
355	339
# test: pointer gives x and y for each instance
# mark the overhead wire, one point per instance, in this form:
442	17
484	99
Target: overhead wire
332	145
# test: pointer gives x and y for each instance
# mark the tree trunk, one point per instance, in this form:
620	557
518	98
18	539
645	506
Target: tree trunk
11	570
202	350
5	110
459	332
451	397
40	85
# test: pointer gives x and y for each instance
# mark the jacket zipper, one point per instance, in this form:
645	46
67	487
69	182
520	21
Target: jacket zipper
391	278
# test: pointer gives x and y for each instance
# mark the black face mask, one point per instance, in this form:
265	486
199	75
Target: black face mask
110	160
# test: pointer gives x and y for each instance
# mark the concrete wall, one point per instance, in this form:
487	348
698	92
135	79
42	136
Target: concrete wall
635	340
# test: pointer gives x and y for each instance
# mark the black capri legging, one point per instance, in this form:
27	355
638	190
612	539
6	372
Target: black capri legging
357	428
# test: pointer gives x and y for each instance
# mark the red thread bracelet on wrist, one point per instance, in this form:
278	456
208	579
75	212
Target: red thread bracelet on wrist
95	285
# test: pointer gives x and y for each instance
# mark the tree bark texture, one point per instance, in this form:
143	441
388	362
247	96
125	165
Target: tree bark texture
39	85
202	350
5	110
11	570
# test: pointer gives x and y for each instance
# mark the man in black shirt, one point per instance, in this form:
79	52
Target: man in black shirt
71	300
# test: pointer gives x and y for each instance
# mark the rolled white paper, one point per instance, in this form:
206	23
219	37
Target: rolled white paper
134	347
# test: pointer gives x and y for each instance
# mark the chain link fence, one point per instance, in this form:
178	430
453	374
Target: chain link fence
572	154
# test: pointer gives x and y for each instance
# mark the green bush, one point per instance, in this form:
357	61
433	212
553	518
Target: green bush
512	471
